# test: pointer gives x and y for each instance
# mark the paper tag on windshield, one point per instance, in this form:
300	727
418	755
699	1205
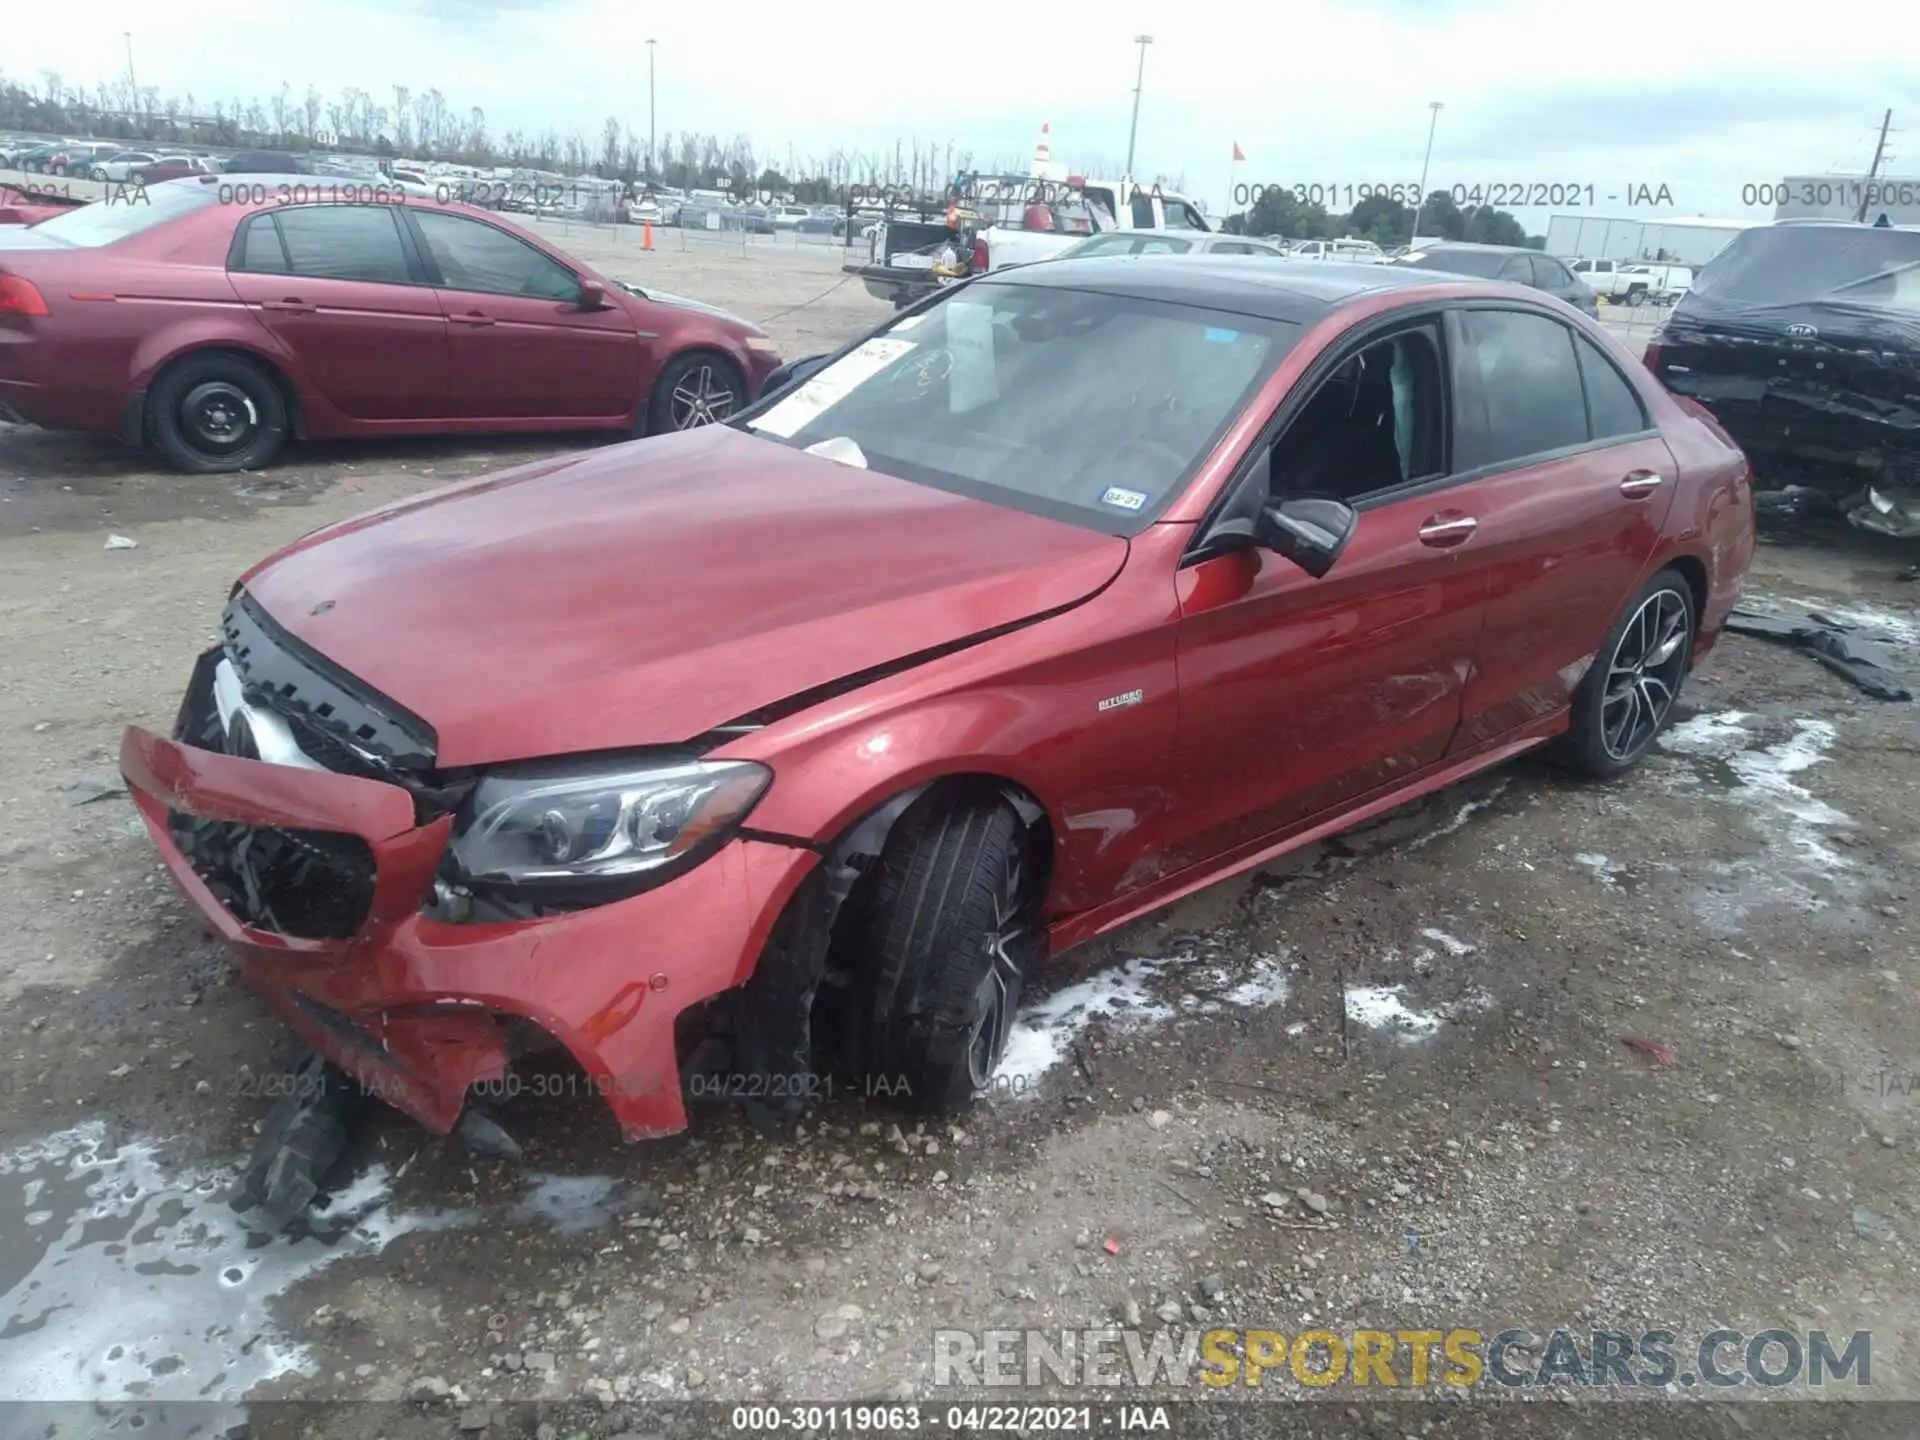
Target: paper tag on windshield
970	383
840	448
829	387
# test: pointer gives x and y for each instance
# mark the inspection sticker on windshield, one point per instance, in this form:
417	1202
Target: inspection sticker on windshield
1222	337
1123	499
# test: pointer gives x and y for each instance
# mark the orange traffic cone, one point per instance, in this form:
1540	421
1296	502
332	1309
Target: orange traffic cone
646	234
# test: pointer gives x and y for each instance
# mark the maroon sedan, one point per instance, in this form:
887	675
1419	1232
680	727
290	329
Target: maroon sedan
1075	589
217	316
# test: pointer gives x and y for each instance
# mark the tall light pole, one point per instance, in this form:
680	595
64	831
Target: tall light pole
653	124
1139	78
1436	107
133	85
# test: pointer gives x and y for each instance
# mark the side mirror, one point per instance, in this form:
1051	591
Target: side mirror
794	372
1309	531
593	295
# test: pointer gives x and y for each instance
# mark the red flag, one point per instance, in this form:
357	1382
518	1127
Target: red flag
1237	156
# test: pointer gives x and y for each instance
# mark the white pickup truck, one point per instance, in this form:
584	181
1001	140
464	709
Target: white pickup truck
1356	252
995	221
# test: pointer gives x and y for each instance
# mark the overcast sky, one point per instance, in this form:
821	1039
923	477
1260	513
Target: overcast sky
1704	97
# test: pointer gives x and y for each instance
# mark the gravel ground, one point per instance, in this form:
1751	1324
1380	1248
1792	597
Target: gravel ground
1386	1084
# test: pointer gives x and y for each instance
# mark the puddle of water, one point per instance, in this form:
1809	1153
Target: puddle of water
134	1280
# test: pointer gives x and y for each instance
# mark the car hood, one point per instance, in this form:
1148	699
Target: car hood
650	592
682	302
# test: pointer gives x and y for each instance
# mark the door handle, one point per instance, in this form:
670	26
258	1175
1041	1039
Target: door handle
1441	530
292	305
472	317
1637	483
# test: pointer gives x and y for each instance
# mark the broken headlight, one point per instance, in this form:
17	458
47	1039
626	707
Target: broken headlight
616	827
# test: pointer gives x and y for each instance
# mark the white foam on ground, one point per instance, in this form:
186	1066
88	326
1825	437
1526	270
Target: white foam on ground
1382	1007
1448	943
571	1204
1791	819
1604	870
148	1287
1046	1029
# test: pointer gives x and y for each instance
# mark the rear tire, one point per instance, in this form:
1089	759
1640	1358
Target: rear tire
1627	697
215	413
946	937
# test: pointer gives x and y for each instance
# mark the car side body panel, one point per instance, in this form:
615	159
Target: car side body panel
370	359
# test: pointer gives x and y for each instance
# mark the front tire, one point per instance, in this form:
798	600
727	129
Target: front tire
216	413
947	936
695	390
1626	699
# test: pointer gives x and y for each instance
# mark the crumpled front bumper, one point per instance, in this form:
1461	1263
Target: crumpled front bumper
410	1006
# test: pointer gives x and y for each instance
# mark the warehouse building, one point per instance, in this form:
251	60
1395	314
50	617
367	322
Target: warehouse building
1838	197
1682	241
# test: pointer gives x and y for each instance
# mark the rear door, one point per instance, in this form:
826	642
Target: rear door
519	339
341	287
1571	485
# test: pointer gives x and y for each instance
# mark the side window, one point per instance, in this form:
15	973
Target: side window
1371	426
1159	245
1232	247
344	242
1142	204
1522	389
260	249
1613	406
1547	273
1180	215
474	256
1517	269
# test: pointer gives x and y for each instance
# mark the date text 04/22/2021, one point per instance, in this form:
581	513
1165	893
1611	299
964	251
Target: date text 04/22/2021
1496	194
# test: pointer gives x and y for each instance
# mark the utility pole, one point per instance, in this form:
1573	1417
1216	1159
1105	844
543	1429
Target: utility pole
1873	170
1139	78
133	85
653	124
1420	203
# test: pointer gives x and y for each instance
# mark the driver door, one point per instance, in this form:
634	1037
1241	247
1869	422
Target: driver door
519	345
1299	696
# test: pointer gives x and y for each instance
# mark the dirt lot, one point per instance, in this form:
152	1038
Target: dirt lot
1384	1085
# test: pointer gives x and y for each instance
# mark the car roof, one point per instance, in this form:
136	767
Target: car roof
1444	246
1278	289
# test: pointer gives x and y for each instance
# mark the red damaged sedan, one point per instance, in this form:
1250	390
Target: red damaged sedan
216	317
784	749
